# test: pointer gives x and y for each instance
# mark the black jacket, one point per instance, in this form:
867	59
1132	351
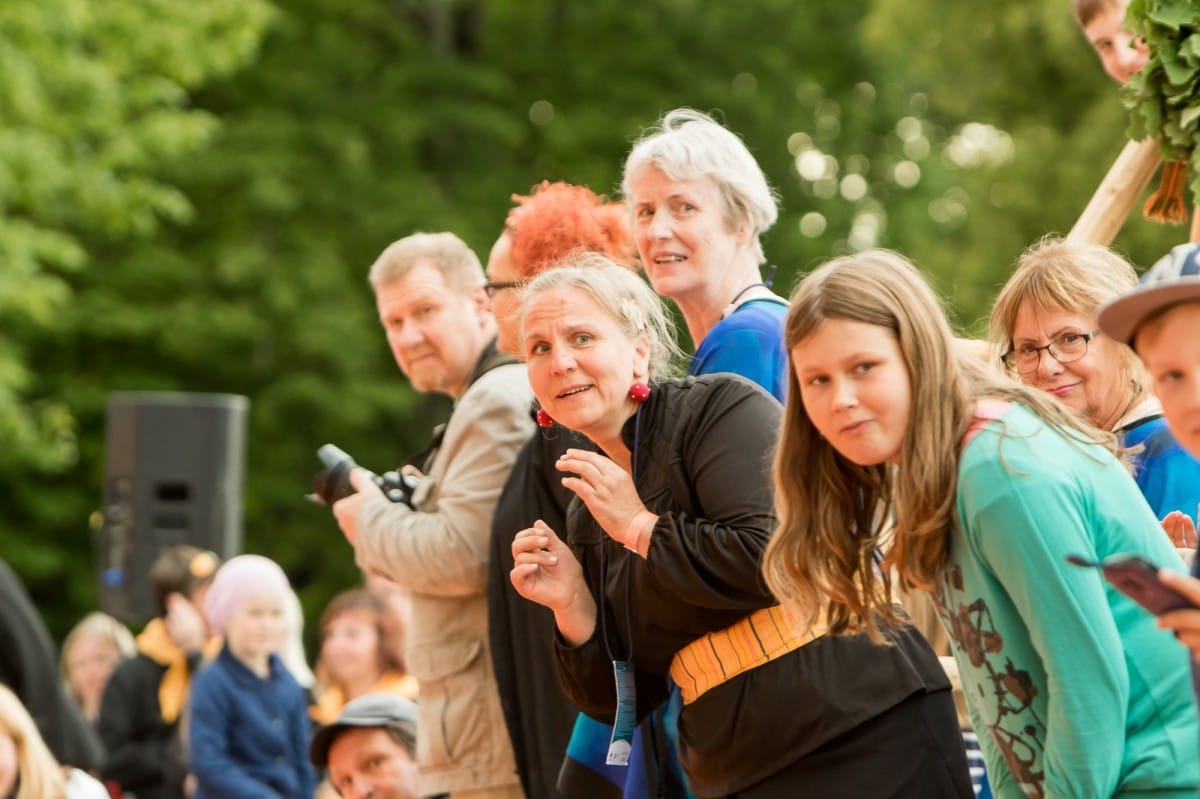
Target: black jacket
29	666
538	714
145	754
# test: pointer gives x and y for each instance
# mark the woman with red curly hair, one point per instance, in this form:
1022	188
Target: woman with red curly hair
554	221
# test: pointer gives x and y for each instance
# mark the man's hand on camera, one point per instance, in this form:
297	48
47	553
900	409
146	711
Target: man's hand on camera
346	509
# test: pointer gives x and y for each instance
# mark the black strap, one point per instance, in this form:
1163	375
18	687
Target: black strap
1136	423
489	359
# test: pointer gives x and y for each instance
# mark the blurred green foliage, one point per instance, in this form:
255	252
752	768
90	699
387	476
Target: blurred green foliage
190	195
1164	97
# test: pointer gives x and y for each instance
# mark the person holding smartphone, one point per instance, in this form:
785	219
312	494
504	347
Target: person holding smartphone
1160	320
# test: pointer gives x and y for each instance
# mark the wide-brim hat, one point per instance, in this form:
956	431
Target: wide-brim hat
1173	279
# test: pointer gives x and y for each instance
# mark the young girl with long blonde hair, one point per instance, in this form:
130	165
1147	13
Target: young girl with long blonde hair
897	453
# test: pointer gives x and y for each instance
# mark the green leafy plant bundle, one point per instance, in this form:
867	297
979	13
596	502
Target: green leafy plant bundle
1164	98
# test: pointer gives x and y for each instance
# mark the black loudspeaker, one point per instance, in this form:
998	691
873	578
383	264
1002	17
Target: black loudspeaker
173	473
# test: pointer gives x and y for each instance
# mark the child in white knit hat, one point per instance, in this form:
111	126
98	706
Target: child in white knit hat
248	731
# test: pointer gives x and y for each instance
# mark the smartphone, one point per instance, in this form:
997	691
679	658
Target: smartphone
1137	578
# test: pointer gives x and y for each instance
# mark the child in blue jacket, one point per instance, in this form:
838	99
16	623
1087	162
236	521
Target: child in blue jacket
248	729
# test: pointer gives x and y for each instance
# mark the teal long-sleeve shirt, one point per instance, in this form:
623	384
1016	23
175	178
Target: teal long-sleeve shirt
1072	688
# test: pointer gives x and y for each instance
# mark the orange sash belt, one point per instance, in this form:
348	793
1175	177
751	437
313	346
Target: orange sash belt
711	659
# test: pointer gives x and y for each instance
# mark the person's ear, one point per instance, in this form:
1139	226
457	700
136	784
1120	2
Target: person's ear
744	233
641	358
479	302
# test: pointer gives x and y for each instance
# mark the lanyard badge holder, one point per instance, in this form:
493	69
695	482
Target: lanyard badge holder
624	675
621	745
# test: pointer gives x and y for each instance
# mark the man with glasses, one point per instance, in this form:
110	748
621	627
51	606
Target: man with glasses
429	289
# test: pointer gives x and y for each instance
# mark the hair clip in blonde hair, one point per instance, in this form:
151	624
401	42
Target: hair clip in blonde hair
631	311
203	564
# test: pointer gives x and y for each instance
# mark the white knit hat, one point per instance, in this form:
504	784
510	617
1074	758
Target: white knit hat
238	580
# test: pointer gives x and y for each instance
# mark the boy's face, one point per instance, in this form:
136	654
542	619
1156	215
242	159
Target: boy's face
1170	348
1122	55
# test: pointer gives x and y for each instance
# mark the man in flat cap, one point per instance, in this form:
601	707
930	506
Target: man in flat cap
370	750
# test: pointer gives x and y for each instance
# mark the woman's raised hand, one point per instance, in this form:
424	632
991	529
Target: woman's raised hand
547	572
608	492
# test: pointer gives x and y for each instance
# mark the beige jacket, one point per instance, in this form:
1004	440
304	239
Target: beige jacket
439	552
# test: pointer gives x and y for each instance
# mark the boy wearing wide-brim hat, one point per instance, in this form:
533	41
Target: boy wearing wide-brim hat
1160	320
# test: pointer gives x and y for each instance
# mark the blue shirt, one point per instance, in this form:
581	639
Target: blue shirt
248	736
1167	473
748	342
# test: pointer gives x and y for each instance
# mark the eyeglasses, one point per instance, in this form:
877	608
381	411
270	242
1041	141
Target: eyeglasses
491	288
1067	348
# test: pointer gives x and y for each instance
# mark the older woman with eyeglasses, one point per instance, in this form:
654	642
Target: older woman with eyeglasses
1044	324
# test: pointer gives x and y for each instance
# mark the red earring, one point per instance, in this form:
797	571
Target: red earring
639	392
544	419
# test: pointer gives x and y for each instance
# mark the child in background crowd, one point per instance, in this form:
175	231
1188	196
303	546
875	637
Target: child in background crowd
90	654
27	769
355	657
145	697
1103	23
248	729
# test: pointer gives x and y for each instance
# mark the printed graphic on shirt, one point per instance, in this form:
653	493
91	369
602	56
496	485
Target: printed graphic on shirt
1003	693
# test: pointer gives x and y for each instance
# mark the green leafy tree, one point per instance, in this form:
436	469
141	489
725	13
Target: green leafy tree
94	105
1025	69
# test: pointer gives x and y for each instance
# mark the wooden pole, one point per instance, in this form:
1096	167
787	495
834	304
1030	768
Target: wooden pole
1118	193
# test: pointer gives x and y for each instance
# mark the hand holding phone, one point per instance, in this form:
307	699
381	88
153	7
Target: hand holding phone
1137	578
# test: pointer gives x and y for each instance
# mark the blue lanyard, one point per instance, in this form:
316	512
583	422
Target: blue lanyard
637	437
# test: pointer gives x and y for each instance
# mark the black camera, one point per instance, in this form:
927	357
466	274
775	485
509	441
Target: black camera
333	482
